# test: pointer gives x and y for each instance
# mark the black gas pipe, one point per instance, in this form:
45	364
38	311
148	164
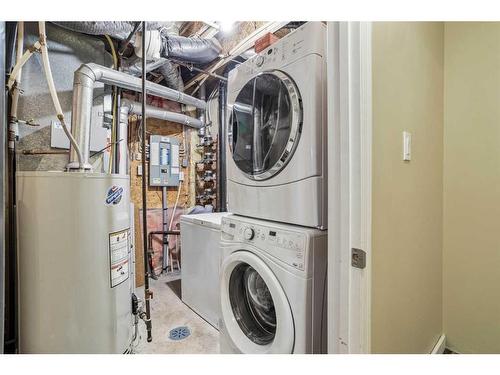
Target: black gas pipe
148	295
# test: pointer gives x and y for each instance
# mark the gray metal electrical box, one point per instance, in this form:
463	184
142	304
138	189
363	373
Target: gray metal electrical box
163	161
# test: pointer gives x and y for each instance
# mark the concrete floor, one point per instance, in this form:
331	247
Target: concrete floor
168	312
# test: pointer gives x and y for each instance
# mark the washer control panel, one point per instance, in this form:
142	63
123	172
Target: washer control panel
287	246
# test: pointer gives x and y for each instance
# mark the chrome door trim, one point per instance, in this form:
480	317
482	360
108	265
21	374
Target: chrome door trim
295	131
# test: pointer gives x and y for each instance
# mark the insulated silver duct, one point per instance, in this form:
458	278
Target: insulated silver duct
194	50
83	87
172	75
115	29
169	71
173	46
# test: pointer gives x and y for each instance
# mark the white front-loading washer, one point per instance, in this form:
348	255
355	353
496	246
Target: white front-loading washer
276	149
272	288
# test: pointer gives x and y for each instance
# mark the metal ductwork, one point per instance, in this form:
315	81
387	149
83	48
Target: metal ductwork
83	87
170	45
115	29
194	50
161	114
172	75
169	71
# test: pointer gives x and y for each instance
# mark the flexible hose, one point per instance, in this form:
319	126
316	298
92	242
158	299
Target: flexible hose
53	92
17	68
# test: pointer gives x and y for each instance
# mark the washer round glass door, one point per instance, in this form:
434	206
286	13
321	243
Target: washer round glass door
255	309
265	124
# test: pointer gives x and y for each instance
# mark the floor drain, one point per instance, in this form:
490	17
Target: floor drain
179	333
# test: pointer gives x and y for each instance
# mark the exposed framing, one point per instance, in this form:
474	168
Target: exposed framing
241	47
349	185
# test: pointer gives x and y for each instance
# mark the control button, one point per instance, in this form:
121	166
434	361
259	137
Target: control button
249	233
259	60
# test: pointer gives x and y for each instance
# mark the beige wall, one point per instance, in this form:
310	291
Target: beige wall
407	196
472	187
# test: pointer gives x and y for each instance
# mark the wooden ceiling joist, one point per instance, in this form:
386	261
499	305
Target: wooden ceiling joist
244	45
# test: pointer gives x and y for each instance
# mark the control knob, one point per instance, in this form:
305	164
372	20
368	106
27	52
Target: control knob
259	60
248	233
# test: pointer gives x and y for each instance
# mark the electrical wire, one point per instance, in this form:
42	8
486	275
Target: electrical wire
113	51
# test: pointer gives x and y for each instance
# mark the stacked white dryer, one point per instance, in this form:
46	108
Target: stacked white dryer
277	187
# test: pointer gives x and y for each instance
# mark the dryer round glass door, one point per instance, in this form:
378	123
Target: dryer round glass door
255	309
265	124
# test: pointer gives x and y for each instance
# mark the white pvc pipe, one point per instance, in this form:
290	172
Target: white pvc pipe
53	91
175	206
17	77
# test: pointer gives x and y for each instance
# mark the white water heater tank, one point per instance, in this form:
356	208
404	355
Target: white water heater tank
74	259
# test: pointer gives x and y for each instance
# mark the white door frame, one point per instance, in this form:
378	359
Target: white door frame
349	185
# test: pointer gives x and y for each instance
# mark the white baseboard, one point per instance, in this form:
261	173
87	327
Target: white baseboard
440	345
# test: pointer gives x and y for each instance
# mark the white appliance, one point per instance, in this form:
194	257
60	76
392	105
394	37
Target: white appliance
272	288
200	256
276	149
74	262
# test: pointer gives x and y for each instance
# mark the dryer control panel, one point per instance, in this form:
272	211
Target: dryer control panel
285	245
309	38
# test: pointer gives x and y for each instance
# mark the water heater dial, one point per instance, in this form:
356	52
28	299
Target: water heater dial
248	234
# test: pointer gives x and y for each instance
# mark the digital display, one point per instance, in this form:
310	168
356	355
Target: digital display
232	225
272	233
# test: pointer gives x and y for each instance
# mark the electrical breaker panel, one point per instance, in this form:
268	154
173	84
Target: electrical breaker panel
164	165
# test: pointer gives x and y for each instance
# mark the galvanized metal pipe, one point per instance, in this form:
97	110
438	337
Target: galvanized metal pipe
162	114
202	112
147	293
83	87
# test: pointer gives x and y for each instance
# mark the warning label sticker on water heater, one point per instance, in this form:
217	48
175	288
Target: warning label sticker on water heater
119	256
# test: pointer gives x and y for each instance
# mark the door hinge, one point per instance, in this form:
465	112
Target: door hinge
358	258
